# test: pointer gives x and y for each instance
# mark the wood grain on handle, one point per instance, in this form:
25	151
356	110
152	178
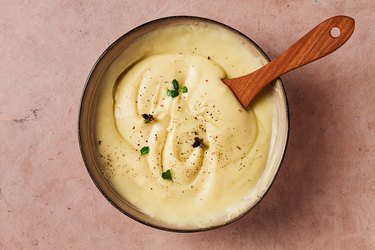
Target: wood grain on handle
314	45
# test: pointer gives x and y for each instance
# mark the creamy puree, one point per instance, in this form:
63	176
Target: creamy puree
211	184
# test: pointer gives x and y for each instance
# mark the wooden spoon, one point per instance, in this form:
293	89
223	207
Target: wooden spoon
319	42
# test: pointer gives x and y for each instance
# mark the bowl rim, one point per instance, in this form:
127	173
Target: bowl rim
84	95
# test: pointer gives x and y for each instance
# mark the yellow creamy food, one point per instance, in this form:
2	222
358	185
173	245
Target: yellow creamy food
211	183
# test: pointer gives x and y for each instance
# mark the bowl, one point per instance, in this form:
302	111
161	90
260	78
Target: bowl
108	65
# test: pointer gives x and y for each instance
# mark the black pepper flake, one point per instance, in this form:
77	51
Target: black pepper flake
99	142
198	142
209	58
147	118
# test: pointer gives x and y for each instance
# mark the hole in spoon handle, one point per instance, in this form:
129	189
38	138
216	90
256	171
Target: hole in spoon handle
335	32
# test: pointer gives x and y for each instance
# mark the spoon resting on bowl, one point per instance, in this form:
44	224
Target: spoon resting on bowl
322	40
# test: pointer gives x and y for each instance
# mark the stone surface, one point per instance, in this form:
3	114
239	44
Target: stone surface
323	197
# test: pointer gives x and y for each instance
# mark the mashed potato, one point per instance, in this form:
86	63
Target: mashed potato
173	139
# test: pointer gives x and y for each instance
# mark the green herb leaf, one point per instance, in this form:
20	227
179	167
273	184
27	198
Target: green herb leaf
145	150
172	93
167	175
184	89
175	84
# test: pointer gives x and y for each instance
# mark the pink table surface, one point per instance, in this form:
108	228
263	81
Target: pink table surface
323	197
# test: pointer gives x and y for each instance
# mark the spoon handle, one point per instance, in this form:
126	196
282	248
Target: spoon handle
322	40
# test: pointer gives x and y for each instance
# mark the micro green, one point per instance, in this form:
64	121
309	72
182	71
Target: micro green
176	89
184	89
167	175
145	150
175	84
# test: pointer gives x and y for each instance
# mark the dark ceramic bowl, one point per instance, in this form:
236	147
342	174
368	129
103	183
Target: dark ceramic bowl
88	112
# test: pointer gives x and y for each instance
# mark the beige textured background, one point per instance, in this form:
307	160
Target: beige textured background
323	198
